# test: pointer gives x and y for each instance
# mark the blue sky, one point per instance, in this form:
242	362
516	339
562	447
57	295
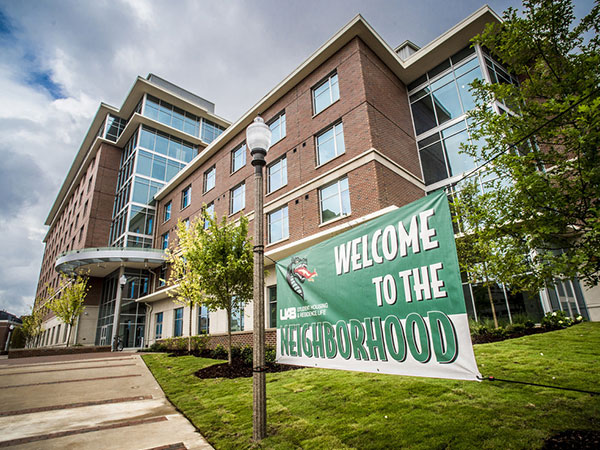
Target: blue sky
59	59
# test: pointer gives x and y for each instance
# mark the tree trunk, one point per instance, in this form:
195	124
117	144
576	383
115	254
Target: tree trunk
492	305
489	289
229	336
190	331
69	334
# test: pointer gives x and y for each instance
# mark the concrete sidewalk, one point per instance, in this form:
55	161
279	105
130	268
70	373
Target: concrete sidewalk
89	401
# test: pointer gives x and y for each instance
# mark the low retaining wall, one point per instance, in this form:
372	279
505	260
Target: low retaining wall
240	339
29	352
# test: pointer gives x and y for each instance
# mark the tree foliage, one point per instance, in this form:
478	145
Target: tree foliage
32	324
68	300
216	263
541	217
187	290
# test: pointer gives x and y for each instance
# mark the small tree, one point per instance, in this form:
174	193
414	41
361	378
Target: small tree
188	291
67	303
32	325
219	257
542	219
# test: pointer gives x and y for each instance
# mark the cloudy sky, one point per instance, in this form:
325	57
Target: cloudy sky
59	59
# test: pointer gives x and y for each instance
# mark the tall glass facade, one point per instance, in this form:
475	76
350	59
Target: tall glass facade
175	117
149	160
439	101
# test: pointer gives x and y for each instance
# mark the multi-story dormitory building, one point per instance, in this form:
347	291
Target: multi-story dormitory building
358	130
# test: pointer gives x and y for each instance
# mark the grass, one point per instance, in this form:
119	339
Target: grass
318	408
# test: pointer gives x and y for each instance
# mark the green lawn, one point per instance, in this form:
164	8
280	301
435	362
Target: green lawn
317	408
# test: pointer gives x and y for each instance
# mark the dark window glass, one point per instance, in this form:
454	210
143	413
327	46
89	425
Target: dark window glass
434	166
423	115
439	69
422	79
459	56
447	105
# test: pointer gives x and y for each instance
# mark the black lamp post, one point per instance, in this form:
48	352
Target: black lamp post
258	139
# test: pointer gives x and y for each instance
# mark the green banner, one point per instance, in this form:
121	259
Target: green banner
385	296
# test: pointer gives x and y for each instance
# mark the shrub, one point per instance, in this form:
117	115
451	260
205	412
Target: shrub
515	328
246	355
158	347
556	320
219	352
270	354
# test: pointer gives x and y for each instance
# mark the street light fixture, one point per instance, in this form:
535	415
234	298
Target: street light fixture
258	140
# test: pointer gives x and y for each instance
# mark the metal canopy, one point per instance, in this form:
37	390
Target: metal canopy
101	261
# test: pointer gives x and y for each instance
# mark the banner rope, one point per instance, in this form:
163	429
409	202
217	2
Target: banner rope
275	262
537	384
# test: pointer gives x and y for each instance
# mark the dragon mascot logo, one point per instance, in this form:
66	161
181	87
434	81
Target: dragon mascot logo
298	273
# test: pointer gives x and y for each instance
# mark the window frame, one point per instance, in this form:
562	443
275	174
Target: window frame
213	170
270	304
284	226
167	211
206	207
322	82
281	159
340	191
241	185
186	193
157	323
175	320
165	241
282	126
335	142
242	147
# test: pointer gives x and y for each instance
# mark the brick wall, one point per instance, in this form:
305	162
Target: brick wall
241	339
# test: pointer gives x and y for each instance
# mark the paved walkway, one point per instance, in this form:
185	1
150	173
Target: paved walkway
88	401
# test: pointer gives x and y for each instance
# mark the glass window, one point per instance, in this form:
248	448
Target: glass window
277	126
447	104
278	225
434	164
238	198
159	325
423	115
210	131
159	168
144	163
167	215
186	197
277	174
203	320
209	179
178	322
330	144
334	200
272	296
210	211
238	158
458	162
468	101
326	93
165	241
237	318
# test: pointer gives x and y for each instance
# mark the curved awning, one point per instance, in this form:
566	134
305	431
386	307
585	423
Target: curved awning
101	261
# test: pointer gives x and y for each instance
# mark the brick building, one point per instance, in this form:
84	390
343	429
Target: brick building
359	129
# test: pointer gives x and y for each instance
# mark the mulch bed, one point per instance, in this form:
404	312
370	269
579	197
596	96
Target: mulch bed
239	370
487	338
573	439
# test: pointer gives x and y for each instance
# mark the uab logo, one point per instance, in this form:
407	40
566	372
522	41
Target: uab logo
287	313
298	273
